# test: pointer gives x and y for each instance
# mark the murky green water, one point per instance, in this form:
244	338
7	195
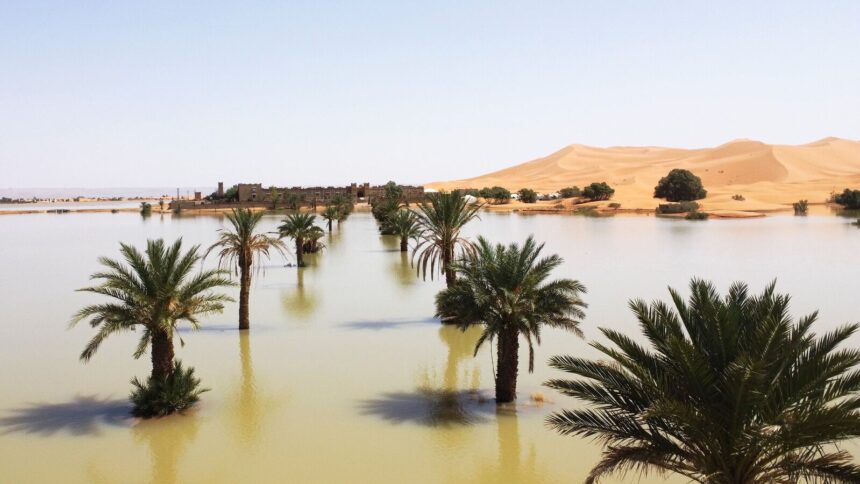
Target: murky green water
345	375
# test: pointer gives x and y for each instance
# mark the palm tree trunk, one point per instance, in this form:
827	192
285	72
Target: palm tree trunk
404	244
300	252
450	276
508	356
244	294
329	225
162	354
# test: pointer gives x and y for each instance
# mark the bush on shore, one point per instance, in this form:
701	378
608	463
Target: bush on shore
849	199
598	191
680	185
683	207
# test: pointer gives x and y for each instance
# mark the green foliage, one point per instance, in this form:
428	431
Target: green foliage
344	207
292	200
598	191
680	185
724	389
527	195
158	397
301	227
232	194
473	192
312	244
404	224
330	214
440	219
586	211
383	208
505	290
570	192
683	207
849	199
145	208
697	215
153	291
497	195
801	207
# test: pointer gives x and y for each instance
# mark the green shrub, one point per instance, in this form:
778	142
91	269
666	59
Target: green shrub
683	207
849	199
615	205
801	207
598	191
738	197
497	194
527	195
570	192
697	215
680	185
145	208
160	397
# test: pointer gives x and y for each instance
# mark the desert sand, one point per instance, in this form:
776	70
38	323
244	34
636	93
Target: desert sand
769	177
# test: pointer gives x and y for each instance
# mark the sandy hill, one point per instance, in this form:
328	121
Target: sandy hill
770	177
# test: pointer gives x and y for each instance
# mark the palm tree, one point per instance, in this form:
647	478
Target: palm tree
344	208
330	214
299	227
403	224
238	247
504	289
727	390
153	292
440	218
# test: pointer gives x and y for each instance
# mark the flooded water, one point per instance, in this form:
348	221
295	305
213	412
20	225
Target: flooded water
345	375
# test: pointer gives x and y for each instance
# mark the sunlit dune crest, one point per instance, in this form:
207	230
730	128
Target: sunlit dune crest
768	176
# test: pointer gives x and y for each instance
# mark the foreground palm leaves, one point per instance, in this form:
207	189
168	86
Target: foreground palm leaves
440	220
505	289
730	390
152	292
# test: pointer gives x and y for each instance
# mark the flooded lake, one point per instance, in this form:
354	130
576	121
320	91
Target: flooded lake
345	375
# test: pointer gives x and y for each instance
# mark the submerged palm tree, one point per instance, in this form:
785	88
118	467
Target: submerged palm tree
505	290
344	208
153	292
440	219
238	247
330	214
729	390
299	227
403	224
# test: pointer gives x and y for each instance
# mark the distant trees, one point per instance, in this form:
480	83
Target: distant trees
527	195
719	389
301	228
292	200
671	208
145	208
330	214
801	207
383	208
232	194
570	192
680	185
849	199
598	191
496	195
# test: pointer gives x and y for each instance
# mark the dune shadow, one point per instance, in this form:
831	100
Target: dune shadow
84	415
430	407
389	324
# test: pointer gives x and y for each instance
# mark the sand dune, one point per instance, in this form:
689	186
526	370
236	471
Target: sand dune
770	177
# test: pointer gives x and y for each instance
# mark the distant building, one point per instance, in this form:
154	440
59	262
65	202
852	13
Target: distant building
254	192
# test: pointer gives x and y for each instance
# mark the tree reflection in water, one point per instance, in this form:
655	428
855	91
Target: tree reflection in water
297	302
167	439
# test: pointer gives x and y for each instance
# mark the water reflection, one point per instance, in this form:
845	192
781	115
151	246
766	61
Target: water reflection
167	439
391	243
461	348
402	270
510	465
297	302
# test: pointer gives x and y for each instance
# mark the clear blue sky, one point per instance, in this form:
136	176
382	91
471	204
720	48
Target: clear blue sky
157	93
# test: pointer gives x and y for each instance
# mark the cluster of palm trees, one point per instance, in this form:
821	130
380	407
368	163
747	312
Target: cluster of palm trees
727	390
